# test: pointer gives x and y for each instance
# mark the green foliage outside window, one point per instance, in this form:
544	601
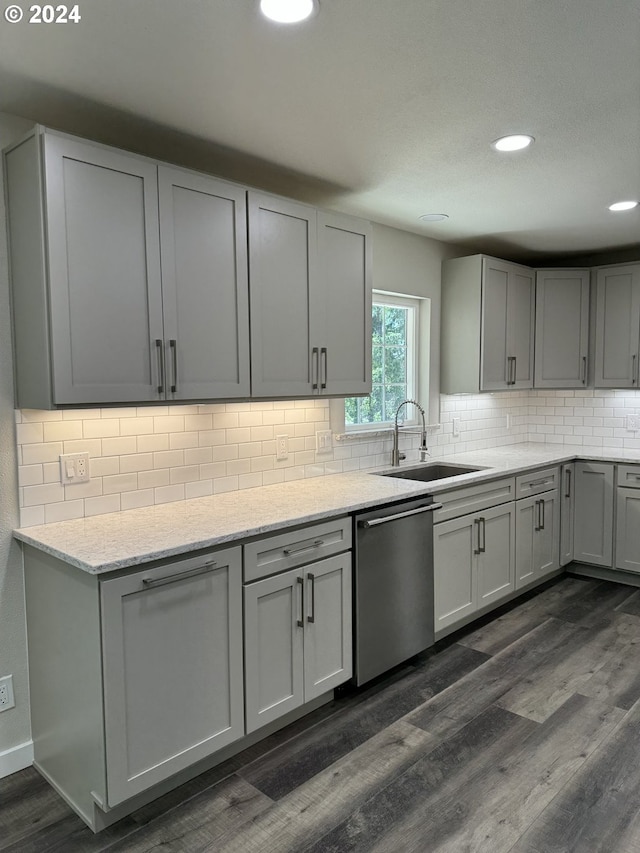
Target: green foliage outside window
389	368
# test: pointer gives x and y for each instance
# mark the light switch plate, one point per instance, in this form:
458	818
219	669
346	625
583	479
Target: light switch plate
324	441
74	468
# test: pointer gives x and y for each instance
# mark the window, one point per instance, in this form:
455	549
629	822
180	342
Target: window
394	364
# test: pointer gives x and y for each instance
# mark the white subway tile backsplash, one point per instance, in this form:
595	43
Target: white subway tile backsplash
157	454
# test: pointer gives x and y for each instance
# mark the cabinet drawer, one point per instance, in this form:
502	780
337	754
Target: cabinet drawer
462	501
295	548
629	476
536	482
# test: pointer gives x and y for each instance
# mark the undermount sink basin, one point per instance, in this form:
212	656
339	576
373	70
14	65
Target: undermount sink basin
426	473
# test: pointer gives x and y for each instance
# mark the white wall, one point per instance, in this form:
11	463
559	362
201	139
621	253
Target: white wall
15	727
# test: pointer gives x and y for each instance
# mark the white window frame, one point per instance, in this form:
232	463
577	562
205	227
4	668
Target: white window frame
409	417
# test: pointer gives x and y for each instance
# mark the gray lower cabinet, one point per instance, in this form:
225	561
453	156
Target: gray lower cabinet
134	676
593	531
487	332
172	668
628	518
474	560
567	512
297	637
310	293
562	328
617	358
129	279
537	537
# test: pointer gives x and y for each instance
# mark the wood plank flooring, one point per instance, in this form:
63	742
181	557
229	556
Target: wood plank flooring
520	734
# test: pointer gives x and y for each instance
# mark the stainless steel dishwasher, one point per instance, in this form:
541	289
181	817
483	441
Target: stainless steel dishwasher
393	600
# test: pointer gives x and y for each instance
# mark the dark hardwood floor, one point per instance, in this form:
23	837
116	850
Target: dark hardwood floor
519	734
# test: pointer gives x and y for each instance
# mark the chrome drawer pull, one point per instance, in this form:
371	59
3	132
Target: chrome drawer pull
178	576
299	548
539	483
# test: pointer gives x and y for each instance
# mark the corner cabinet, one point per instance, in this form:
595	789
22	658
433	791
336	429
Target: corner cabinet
562	328
487	334
593	520
617	360
129	279
310	293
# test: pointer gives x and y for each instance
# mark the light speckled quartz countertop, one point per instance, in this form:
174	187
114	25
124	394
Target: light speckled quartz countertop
104	543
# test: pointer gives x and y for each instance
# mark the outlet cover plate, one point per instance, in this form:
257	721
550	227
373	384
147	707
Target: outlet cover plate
324	441
633	422
6	693
74	468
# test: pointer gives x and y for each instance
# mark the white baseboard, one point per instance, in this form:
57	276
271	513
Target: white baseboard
16	758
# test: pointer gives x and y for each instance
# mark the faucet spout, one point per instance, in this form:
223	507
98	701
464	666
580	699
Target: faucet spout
396	456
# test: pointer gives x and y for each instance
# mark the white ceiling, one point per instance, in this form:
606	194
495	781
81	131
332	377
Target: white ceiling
383	108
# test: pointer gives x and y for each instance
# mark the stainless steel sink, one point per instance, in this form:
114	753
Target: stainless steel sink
426	473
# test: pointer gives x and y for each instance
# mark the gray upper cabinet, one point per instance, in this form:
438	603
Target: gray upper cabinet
310	297
344	257
86	290
204	286
487	334
617	363
562	328
137	290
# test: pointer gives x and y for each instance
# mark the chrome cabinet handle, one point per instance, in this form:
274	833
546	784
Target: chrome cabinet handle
567	494
312	578
515	370
511	361
537	511
583	370
323	356
305	547
374	522
300	622
542	504
477	550
634	358
173	344
483	527
315	360
178	576
160	352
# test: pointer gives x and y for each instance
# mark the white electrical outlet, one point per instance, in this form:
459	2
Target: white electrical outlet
6	693
456	426
633	422
282	447
508	421
324	441
74	468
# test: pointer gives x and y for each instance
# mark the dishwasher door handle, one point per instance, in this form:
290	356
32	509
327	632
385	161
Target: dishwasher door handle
374	522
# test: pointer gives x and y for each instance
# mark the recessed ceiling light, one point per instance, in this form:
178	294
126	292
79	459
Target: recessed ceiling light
512	143
288	11
623	205
433	217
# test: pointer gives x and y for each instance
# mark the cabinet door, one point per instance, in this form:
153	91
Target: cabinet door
520	326
628	530
172	668
455	548
566	513
282	271
273	628
617	327
496	561
344	304
104	273
205	289
328	659
593	531
527	523
562	328
493	340
547	539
